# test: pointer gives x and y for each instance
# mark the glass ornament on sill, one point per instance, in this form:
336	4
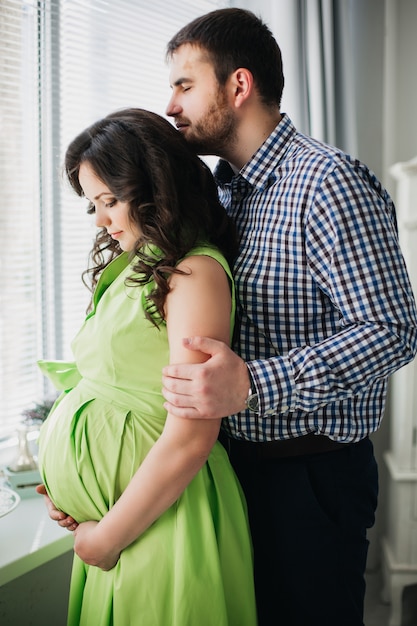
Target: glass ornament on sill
22	473
25	460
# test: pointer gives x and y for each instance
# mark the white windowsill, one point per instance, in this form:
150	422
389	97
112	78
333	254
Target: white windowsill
29	538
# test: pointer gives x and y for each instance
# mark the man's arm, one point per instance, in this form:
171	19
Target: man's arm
353	255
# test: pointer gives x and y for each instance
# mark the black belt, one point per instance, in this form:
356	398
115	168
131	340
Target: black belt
282	448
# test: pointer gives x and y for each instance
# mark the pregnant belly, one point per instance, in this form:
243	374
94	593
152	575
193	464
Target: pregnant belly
88	452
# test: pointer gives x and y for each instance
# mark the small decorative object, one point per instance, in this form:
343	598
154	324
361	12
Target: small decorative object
23	474
25	461
39	412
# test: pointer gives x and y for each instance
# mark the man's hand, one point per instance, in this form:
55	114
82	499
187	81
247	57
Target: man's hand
216	388
64	520
92	549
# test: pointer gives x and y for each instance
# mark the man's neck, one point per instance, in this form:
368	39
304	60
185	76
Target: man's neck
253	131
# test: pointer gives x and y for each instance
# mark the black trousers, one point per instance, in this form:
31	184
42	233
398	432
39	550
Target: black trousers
309	516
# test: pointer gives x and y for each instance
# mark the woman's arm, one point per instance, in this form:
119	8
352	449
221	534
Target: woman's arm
198	303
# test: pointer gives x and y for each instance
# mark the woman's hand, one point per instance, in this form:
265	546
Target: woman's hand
64	520
94	549
87	545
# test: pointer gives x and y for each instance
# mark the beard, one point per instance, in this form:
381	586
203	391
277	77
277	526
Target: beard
216	131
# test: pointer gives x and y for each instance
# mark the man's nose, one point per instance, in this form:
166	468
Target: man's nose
173	108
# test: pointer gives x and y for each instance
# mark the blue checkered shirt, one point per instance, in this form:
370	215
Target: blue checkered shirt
325	307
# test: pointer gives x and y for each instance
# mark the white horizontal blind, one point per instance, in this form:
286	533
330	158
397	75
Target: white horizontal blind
63	64
19	207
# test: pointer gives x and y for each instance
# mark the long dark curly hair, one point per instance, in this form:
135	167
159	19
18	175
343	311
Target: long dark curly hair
171	193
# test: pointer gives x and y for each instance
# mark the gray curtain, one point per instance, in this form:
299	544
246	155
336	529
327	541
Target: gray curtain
326	79
333	54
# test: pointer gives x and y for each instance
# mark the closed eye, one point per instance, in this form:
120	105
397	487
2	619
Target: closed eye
91	209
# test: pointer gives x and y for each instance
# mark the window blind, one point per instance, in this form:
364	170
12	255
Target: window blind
63	64
19	207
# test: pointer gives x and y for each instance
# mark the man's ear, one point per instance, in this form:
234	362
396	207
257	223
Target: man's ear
242	86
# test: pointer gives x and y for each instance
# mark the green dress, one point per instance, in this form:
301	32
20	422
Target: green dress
193	565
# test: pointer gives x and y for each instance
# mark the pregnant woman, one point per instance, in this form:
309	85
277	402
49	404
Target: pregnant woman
161	532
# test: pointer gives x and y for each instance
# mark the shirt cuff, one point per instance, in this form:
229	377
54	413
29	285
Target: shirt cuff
274	384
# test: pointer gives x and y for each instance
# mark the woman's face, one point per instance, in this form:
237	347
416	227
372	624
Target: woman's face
110	213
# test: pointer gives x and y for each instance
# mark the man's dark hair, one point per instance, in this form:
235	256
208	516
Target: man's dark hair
234	38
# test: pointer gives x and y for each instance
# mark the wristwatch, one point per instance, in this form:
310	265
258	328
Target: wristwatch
252	402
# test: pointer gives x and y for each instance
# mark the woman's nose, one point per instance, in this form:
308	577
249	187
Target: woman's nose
101	217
